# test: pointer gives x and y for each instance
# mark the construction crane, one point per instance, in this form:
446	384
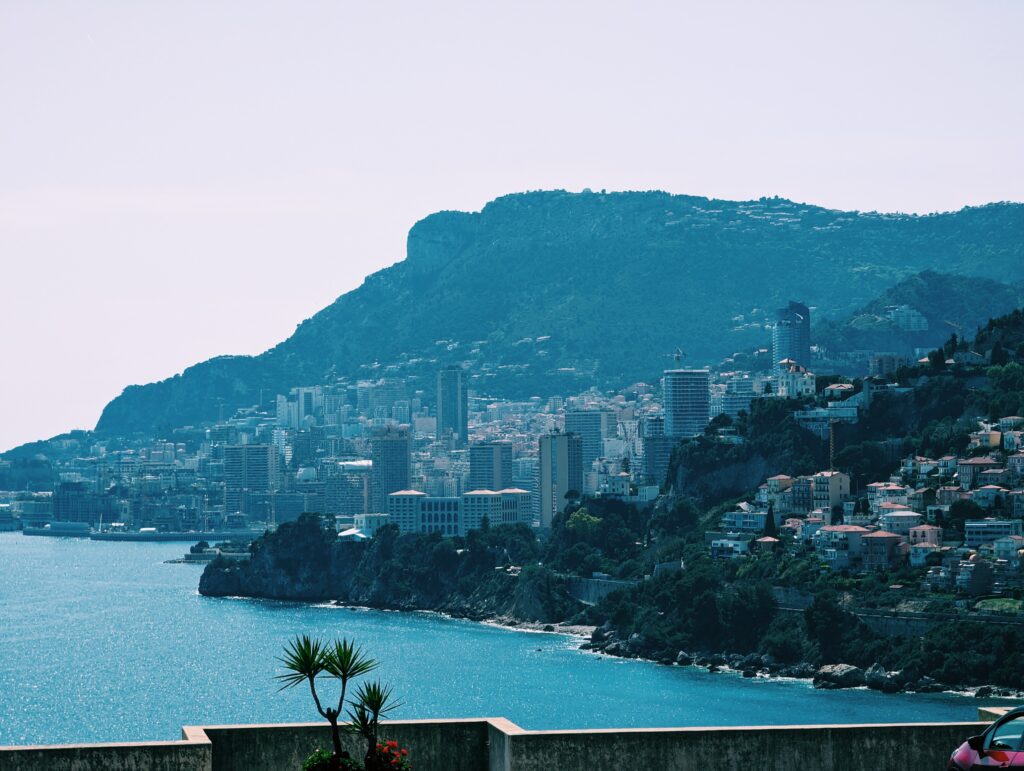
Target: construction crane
677	356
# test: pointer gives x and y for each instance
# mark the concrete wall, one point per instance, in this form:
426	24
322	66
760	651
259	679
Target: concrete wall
837	748
498	745
450	745
150	756
591	591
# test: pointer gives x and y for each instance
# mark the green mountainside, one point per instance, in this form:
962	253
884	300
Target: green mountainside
550	291
951	304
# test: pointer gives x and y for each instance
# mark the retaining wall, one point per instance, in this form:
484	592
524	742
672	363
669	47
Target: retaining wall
591	591
498	745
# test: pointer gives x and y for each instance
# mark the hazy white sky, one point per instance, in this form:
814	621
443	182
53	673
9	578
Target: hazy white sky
185	179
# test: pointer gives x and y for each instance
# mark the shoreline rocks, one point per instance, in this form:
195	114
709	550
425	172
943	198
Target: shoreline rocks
832	676
605	640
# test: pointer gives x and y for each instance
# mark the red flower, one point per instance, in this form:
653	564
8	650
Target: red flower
405	751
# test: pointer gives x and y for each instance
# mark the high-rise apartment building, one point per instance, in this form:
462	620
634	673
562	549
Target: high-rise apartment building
249	469
391	453
379	396
739	395
791	335
77	502
560	471
347	488
652	425
526	476
490	466
452	405
687	401
592	427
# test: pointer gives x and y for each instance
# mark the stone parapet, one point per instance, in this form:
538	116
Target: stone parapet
495	744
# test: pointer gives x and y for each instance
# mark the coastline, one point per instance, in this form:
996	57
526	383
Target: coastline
578	631
706	663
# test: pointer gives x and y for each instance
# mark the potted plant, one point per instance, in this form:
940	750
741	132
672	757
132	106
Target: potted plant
306	659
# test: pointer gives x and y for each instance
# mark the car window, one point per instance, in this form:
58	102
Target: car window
1008	736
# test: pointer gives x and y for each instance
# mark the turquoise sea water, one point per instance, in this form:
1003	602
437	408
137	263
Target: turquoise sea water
105	642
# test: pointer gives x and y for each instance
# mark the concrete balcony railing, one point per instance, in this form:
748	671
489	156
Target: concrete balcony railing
495	744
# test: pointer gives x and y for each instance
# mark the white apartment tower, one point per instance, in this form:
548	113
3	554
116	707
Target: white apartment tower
687	394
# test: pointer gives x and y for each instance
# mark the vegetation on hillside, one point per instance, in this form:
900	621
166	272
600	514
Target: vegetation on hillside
950	303
502	289
677	597
712	471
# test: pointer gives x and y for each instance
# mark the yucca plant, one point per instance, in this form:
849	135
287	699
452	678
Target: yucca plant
306	658
373	701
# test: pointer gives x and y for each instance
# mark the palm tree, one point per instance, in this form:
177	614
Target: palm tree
306	659
373	701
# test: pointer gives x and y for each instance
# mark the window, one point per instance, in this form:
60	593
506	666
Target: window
1007	736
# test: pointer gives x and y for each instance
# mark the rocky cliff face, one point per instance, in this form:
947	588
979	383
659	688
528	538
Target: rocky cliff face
302	561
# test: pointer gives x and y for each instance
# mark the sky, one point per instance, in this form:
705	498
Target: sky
185	179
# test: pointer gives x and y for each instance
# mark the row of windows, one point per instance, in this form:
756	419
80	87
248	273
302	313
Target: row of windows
444	516
440	505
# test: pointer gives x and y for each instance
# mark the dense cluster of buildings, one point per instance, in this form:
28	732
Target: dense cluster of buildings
380	450
962	518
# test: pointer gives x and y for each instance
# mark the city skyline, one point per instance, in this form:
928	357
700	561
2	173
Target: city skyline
161	169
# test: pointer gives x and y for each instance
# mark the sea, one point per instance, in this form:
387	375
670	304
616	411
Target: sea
107	642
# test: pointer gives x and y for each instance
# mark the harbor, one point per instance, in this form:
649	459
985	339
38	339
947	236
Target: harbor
82	530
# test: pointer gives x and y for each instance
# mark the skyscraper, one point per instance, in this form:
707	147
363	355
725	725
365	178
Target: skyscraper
592	426
561	470
452	405
687	395
490	466
791	335
391	452
248	469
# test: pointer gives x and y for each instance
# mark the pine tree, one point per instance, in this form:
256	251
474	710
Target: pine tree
769	522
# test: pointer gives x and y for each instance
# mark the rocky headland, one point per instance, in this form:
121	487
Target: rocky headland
303	561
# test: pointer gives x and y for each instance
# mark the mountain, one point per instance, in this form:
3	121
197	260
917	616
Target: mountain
950	304
550	291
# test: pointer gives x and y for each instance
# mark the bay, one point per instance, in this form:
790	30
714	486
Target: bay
105	642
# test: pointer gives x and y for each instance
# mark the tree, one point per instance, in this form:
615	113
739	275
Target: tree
962	510
999	355
951	346
306	658
825	622
769	522
373	701
837	514
717	422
